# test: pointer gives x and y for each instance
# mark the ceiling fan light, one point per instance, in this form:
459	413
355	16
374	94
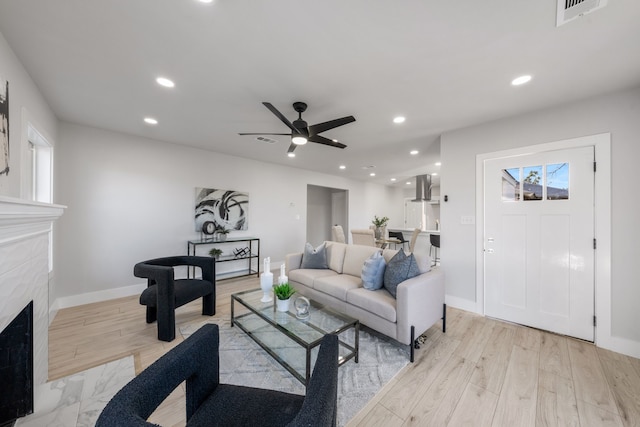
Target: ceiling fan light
298	139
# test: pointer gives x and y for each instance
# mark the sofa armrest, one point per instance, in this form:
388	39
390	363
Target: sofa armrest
292	262
419	303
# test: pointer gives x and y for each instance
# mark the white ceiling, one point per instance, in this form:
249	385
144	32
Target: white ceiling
444	64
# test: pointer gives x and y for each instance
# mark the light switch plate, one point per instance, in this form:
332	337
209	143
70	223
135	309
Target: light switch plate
467	219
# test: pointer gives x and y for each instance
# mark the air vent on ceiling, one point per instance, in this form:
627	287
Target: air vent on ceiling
569	10
267	140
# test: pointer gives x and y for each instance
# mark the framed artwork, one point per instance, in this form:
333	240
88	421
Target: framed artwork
4	126
225	208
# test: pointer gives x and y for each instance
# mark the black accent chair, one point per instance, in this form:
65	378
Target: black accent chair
209	403
399	237
164	293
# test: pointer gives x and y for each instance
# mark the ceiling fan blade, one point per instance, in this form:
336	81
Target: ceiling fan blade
262	133
282	118
326	141
292	147
321	127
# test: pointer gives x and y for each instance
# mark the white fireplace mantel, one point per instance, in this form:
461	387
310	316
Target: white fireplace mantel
25	233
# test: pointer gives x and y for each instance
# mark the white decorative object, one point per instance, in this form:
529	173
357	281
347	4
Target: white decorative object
282	304
283	278
302	305
266	281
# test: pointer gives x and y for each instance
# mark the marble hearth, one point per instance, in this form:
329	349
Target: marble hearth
25	232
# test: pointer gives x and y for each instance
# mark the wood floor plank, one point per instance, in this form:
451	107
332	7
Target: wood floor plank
380	417
624	382
556	405
475	408
404	396
475	339
588	377
518	397
593	416
492	365
450	382
554	355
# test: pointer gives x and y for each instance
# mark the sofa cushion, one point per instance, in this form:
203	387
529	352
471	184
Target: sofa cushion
335	255
423	261
337	286
400	268
354	258
379	302
314	258
373	272
308	277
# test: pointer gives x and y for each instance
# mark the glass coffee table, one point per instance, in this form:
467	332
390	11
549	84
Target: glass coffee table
293	342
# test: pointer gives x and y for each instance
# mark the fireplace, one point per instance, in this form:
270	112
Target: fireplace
16	368
25	231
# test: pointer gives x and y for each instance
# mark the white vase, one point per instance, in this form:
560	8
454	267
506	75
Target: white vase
266	284
282	304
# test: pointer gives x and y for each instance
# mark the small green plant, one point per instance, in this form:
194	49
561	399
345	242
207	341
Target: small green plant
283	291
380	222
223	230
215	252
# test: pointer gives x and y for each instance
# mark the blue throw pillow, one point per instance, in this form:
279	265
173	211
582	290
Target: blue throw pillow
400	268
314	258
373	272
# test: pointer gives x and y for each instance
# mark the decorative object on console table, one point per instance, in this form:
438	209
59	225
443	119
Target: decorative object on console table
380	224
241	252
221	234
266	281
283	293
215	253
234	262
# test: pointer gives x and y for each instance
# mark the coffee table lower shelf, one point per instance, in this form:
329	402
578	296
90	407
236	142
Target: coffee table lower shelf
292	342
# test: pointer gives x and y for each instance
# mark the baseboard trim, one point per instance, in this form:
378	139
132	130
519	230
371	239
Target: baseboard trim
619	345
91	297
462	304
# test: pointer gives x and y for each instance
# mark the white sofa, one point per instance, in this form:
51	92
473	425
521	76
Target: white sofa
418	305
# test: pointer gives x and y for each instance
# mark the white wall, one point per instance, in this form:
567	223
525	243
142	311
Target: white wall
25	104
618	114
131	199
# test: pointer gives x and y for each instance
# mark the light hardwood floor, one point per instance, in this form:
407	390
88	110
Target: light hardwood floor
481	372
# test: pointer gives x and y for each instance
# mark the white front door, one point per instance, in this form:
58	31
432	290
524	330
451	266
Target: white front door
539	240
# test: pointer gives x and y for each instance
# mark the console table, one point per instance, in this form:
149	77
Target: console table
246	258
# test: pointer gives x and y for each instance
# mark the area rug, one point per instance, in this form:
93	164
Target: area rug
244	362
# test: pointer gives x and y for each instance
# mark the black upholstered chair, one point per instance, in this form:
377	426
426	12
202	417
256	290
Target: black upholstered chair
164	293
210	403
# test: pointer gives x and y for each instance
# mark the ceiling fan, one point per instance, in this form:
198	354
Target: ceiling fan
300	132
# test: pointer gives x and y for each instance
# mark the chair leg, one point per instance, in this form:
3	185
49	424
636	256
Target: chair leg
209	305
166	324
152	314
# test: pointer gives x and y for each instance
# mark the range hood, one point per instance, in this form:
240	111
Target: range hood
423	188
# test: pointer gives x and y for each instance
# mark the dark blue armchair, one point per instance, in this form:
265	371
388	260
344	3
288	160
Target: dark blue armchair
209	403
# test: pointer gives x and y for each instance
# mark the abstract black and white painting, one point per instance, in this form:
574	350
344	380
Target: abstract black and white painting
4	126
225	208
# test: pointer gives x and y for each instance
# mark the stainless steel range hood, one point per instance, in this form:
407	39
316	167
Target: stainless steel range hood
423	188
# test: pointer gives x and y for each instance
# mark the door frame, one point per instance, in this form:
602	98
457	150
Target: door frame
602	226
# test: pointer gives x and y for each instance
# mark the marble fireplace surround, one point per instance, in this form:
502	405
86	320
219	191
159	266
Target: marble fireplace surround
25	231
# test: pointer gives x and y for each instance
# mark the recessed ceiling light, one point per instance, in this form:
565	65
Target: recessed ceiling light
372	174
393	179
399	119
163	81
434	174
408	182
438	164
520	80
343	167
413	152
291	154
205	1
150	121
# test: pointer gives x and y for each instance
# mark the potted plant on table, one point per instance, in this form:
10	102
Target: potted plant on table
221	234
379	223
283	293
215	252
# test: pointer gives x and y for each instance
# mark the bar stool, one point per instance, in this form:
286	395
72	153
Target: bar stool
435	246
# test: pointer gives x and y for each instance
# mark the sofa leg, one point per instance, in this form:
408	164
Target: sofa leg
444	318
412	344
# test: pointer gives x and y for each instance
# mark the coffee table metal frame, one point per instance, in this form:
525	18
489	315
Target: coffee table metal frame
307	332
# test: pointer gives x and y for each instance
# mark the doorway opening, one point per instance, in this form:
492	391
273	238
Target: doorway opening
326	207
